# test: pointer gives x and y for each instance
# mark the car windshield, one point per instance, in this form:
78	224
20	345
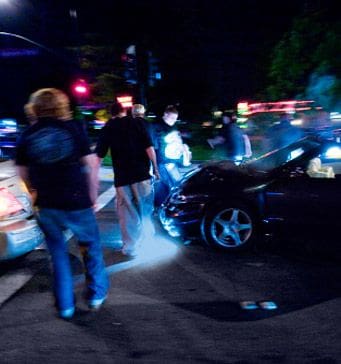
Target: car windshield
277	158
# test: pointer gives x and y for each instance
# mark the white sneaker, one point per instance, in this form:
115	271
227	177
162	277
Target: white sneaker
129	252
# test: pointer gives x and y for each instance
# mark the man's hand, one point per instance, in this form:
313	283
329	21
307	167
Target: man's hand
92	164
33	196
187	156
156	174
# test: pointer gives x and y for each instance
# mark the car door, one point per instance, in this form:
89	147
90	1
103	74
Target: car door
289	199
295	198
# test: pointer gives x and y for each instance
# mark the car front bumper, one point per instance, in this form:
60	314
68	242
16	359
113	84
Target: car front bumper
19	238
182	220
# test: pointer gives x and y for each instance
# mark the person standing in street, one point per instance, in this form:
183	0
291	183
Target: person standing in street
132	154
234	145
170	150
282	133
117	111
54	160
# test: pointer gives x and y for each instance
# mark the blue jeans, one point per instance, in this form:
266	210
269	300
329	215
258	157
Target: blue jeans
169	175
83	224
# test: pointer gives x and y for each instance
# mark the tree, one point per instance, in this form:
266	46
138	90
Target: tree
308	56
101	64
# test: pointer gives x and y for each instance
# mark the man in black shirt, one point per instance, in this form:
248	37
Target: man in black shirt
55	161
282	133
132	152
117	111
231	141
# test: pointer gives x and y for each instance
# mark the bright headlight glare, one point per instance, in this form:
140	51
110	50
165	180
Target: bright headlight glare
179	198
333	153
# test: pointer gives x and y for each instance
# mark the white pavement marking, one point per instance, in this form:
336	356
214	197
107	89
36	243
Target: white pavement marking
106	174
105	198
11	282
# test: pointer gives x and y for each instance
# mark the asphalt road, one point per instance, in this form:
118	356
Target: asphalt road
178	304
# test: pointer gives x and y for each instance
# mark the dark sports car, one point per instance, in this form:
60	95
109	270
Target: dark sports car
297	187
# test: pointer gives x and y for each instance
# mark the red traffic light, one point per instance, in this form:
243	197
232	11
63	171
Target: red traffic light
80	88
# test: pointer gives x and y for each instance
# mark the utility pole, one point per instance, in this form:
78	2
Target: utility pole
75	33
142	72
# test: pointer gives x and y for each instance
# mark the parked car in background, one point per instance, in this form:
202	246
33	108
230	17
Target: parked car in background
19	232
297	187
9	131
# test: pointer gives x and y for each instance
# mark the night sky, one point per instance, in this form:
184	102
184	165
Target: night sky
212	52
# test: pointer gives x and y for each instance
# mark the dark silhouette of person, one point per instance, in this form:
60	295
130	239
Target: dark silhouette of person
282	133
230	140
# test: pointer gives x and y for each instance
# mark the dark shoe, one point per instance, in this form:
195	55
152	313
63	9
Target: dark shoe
124	257
96	303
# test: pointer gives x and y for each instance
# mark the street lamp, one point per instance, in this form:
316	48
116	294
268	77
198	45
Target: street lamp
14	35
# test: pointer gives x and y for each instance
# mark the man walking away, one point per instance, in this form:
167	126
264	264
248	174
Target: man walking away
282	133
55	162
131	152
117	111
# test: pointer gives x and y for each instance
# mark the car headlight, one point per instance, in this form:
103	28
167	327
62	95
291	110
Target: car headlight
180	198
333	153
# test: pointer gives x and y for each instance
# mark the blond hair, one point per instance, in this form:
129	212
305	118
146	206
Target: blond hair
30	115
49	102
138	110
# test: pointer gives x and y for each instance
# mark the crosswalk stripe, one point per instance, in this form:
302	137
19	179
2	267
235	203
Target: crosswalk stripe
12	282
105	198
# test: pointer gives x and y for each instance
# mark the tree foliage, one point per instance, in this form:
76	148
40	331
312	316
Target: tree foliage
101	63
307	54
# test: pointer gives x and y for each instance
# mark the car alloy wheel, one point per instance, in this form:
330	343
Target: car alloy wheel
231	228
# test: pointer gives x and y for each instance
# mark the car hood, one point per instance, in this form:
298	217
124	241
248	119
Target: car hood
215	177
228	168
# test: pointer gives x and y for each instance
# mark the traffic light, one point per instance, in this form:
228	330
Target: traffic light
80	88
154	73
130	65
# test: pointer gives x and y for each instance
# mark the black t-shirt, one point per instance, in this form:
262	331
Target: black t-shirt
127	138
51	149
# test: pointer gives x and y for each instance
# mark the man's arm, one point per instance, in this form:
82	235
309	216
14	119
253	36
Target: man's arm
152	156
103	141
92	164
24	175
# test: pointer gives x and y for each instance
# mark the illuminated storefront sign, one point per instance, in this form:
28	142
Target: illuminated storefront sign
125	101
291	106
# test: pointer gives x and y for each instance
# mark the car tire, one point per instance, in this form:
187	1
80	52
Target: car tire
231	227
